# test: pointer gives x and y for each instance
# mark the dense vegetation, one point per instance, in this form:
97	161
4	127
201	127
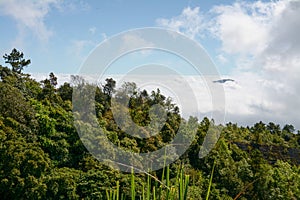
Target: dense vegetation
42	156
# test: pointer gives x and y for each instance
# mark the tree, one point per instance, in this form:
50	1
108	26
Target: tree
16	60
4	73
109	87
62	183
259	132
14	106
22	166
274	128
49	91
53	79
65	91
289	128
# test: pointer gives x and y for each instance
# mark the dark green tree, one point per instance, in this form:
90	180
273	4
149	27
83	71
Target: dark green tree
53	79
65	91
16	60
109	87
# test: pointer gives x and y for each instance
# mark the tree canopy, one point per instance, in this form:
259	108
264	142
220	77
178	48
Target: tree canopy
42	156
16	60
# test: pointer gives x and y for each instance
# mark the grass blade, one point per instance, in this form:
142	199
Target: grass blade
210	181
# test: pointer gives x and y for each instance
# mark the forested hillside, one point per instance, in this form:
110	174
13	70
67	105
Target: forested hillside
42	156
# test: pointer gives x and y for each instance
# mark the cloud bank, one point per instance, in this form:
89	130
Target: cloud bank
29	15
262	37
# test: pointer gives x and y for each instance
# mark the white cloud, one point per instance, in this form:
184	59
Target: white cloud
74	5
104	36
267	33
135	41
263	39
61	78
29	15
222	59
244	27
92	30
239	32
81	48
190	22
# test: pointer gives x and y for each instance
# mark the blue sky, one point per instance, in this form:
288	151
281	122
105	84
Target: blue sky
58	35
256	43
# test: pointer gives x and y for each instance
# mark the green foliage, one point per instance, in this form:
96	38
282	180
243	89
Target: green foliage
16	60
42	156
23	166
62	184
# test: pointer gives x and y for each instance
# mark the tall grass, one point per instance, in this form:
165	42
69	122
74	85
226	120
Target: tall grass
161	189
210	181
113	194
